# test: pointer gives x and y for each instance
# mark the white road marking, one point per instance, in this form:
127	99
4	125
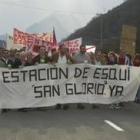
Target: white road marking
113	125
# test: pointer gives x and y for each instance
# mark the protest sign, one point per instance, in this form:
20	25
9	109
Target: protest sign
48	85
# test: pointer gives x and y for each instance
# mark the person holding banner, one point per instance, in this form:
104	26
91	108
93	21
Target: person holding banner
22	58
92	57
41	58
62	57
1	64
53	51
82	57
6	60
130	59
12	54
136	63
15	61
5	63
99	58
29	61
10	60
123	60
112	60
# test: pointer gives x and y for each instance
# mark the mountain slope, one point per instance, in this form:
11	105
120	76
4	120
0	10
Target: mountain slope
63	23
127	13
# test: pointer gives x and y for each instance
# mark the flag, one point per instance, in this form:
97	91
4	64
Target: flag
54	37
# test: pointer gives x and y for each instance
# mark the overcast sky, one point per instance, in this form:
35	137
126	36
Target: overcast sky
23	13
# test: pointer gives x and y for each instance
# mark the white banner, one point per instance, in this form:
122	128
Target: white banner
9	42
73	45
91	48
47	85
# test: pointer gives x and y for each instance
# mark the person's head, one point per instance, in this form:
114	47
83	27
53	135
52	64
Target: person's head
62	49
137	57
42	50
129	56
98	55
5	53
22	56
122	53
29	55
92	56
17	54
23	49
83	49
111	57
53	51
12	53
104	58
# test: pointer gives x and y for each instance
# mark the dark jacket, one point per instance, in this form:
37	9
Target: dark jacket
29	63
37	59
14	63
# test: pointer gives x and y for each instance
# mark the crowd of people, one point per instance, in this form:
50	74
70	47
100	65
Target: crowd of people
17	59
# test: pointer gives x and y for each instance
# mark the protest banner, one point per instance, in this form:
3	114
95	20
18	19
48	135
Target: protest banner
9	42
20	38
91	48
33	44
73	45
38	86
30	41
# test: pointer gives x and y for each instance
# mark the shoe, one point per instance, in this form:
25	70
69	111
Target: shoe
58	107
4	110
112	106
117	106
80	106
121	104
22	110
66	107
138	101
95	106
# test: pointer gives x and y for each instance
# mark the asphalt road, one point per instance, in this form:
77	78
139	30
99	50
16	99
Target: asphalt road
72	124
